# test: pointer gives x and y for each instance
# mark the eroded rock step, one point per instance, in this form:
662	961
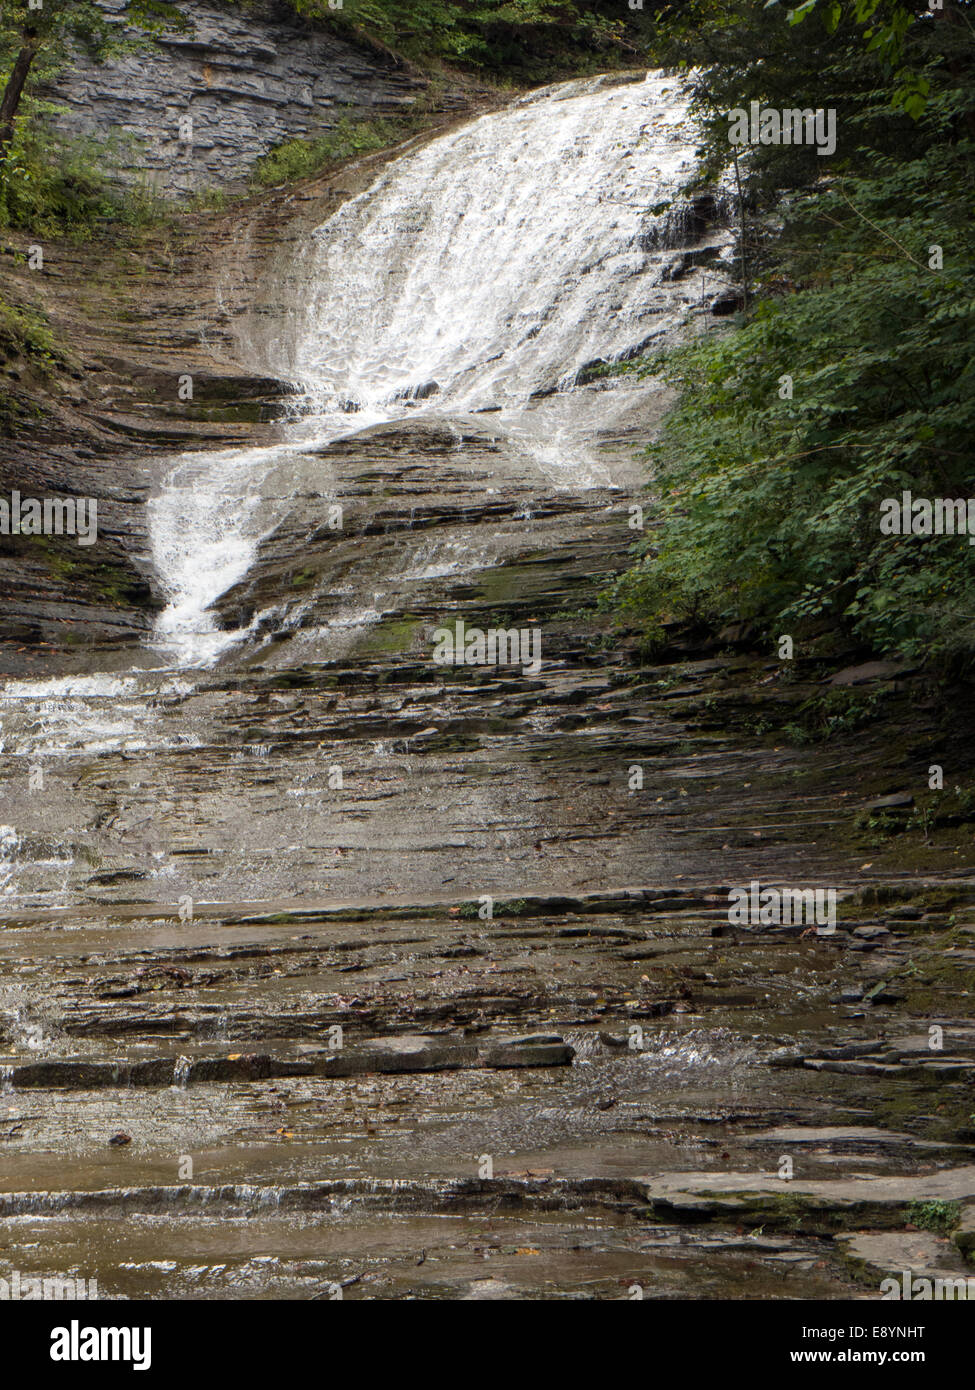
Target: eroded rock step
578	1239
495	781
354	1152
392	1055
581	1254
362	912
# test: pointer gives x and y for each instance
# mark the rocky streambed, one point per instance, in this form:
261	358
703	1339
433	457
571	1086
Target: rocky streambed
260	1038
325	968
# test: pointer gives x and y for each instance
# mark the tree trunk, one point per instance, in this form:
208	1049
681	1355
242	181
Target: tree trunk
741	238
15	90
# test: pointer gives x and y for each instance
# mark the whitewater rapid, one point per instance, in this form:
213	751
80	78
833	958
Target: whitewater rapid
477	276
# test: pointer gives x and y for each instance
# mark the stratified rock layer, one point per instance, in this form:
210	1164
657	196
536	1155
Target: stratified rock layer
246	79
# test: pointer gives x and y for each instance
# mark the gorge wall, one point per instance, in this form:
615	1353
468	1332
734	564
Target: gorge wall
248	78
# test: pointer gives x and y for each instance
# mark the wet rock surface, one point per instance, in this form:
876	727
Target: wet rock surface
198	910
633	1068
328	966
131	315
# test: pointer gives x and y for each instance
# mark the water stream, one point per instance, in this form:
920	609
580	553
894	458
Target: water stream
178	1119
478	282
478	276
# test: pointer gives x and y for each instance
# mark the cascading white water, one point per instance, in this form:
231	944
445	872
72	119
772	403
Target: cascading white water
9	844
472	281
498	260
480	272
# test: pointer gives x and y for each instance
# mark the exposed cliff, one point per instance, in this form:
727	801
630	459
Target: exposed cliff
244	79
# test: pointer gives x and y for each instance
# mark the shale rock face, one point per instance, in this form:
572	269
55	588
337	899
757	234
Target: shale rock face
247	79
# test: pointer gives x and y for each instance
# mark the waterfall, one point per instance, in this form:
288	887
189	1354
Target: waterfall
497	261
480	273
477	284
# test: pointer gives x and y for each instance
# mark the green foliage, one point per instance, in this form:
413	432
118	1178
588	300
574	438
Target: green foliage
57	186
52	185
26	342
25	334
60	23
884	25
48	184
769	508
834	713
938	1216
296	159
518	39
